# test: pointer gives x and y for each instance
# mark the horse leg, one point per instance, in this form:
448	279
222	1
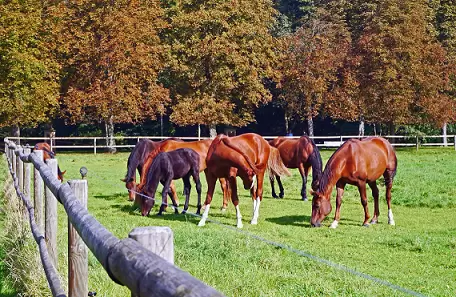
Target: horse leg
187	188
211	180
388	175
373	186
226	193
173	193
271	179
235	199
279	181
166	186
340	193
197	181
362	193
257	199
304	182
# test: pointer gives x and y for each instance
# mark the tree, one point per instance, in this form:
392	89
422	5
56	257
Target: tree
220	54
28	74
401	71
313	56
114	55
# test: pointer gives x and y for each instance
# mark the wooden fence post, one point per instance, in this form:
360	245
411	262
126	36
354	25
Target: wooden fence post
78	261
51	216
417	142
38	193
27	183
159	240
455	142
13	160
20	171
94	146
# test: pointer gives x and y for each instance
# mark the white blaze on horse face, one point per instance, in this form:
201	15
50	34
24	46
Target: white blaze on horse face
202	222
256	211
239	217
334	224
391	218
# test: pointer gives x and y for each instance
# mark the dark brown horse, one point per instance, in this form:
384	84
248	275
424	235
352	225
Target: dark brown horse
49	154
301	153
356	162
201	147
247	156
167	166
136	160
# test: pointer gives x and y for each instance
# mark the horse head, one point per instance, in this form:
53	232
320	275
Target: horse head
130	184
321	207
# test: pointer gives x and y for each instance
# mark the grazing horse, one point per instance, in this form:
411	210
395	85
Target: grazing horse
49	154
247	156
201	147
356	162
301	153
136	160
167	166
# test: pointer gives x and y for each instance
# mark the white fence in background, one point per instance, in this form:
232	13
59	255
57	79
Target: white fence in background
97	143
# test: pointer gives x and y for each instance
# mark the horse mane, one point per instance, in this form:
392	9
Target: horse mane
132	163
316	163
149	160
327	174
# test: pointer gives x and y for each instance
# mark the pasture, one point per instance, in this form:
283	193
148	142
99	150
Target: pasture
418	254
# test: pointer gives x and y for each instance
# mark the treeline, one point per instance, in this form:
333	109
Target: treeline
388	62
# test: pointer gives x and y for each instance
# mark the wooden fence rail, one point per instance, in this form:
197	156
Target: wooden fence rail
126	261
96	143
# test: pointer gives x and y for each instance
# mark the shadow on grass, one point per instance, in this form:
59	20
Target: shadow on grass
111	197
300	220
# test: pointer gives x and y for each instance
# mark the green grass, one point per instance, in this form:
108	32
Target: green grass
419	253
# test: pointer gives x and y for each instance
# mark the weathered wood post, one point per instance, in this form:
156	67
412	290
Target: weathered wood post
51	216
78	261
13	161
159	240
27	183
94	146
455	142
417	142
38	190
20	170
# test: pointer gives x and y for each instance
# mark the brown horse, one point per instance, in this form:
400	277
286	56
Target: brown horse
247	156
356	162
49	154
301	153
136	160
201	147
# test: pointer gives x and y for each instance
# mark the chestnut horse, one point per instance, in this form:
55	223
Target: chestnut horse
136	160
180	163
356	162
201	147
301	153
247	156
49	154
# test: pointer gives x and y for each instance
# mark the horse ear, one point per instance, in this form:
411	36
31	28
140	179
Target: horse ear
123	179
63	172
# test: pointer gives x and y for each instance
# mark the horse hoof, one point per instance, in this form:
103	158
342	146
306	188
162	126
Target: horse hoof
373	222
223	209
184	212
201	224
305	199
366	225
281	196
240	225
253	222
159	214
275	196
392	223
334	225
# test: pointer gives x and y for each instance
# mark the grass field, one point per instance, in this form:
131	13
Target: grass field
418	254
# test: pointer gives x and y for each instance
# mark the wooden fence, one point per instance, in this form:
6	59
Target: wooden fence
128	262
96	144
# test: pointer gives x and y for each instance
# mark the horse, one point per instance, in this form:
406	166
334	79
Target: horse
201	147
49	154
301	153
168	166
136	160
247	156
356	162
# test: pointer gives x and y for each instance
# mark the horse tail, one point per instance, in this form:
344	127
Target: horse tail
230	144
317	165
275	164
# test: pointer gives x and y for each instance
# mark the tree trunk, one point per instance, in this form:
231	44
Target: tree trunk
16	132
375	129
310	126
110	142
361	127
287	125
444	132
212	131
199	132
392	131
